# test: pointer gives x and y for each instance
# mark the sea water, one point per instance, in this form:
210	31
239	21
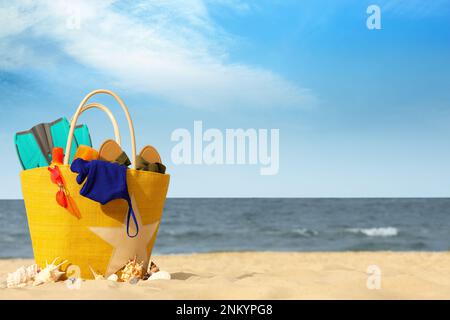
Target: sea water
204	225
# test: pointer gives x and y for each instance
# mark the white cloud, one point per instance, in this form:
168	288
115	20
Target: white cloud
236	5
170	49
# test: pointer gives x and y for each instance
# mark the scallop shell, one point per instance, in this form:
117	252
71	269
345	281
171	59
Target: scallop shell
160	275
132	270
50	273
22	276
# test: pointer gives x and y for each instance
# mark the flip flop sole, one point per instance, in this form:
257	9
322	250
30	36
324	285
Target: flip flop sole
150	154
109	151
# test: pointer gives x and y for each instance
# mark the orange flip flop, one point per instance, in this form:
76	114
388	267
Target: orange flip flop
150	154
110	151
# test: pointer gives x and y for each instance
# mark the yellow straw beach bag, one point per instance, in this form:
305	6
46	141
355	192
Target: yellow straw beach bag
98	240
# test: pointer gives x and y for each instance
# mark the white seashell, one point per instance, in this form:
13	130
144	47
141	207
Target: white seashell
96	275
50	273
16	278
32	271
22	276
160	275
113	277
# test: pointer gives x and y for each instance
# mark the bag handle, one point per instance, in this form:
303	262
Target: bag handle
108	113
80	110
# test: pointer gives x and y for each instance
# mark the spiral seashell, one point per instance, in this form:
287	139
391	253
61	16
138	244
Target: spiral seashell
132	270
49	274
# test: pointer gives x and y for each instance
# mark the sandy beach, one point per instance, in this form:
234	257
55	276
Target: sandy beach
268	275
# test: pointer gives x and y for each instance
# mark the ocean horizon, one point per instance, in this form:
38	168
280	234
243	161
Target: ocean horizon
194	225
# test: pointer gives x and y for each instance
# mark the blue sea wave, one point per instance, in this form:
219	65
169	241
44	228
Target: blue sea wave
209	225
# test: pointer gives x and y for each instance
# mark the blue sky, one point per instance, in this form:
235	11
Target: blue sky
361	113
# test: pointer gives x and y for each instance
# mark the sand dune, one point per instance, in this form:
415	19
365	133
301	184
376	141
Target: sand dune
260	275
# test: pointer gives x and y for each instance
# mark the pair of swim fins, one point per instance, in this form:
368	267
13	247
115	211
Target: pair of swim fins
34	147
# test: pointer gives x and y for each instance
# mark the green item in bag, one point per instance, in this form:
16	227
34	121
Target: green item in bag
34	147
